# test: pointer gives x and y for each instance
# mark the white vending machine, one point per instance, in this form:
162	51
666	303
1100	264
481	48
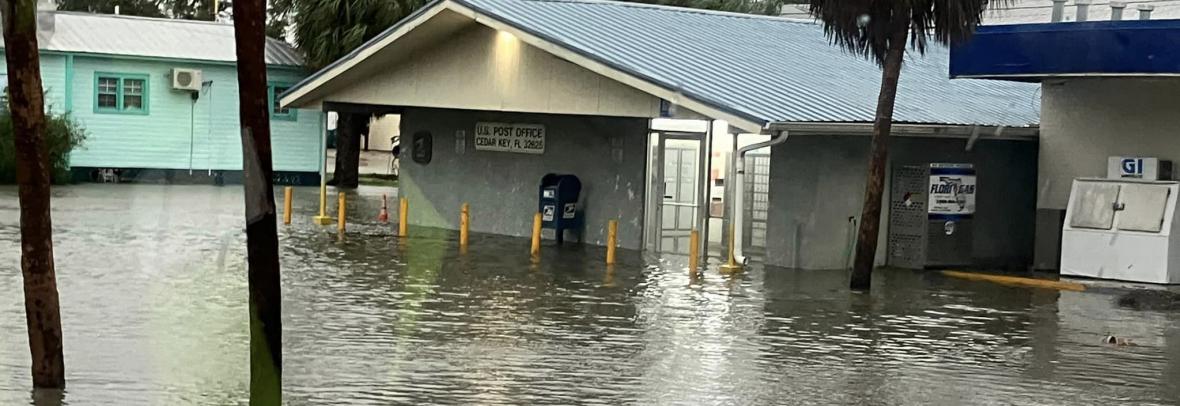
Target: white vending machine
1122	229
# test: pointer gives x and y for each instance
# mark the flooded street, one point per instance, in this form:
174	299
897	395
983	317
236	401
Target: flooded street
153	293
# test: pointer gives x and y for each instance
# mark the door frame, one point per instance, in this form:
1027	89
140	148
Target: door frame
657	186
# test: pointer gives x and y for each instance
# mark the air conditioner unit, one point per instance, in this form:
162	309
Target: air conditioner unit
186	79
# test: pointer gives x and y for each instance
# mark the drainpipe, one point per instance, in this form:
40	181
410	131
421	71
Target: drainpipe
1083	10
1058	11
1145	11
1116	10
739	179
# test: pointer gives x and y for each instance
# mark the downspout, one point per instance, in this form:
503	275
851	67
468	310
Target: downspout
739	187
69	88
209	132
69	96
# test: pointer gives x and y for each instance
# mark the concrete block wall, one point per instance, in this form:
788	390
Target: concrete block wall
606	153
817	183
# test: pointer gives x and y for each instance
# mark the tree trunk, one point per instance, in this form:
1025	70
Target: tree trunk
348	149
26	104
870	216
262	244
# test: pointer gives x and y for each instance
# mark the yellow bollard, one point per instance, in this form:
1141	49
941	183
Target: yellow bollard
464	223
694	253
732	266
287	191
535	250
403	217
323	218
340	205
612	239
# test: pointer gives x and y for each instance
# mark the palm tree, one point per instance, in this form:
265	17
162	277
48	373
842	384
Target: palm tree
26	104
262	242
326	30
879	30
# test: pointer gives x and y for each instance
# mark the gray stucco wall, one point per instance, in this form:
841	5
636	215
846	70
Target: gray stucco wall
606	153
1084	121
817	183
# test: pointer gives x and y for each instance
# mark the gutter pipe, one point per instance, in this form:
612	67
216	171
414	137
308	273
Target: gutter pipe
738	206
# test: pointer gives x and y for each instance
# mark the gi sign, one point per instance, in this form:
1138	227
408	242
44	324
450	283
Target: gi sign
505	137
1130	167
952	189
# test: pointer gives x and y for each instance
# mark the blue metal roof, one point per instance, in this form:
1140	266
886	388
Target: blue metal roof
107	34
764	69
1034	51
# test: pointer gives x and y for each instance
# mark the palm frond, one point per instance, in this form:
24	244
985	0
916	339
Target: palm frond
864	27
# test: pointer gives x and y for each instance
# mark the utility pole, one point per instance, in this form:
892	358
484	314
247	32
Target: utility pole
26	104
262	244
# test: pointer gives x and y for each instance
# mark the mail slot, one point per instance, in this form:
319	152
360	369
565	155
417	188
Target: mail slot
559	203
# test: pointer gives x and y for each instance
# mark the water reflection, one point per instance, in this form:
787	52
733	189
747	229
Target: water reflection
154	309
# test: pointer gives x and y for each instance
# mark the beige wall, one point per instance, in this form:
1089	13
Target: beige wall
381	129
1083	121
482	69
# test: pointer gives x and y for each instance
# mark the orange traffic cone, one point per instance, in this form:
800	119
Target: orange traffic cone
384	215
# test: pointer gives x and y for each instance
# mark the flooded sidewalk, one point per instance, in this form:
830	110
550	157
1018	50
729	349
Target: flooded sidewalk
153	295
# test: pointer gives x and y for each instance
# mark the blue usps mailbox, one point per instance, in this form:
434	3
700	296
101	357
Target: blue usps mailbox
559	203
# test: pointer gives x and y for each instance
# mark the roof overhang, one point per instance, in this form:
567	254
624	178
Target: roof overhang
964	131
319	86
1034	52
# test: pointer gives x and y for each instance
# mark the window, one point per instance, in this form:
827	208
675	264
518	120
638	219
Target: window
120	93
277	112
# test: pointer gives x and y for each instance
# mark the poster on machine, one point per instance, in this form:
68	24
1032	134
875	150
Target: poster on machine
506	137
952	189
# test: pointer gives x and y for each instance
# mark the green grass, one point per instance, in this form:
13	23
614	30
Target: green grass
374	179
370	179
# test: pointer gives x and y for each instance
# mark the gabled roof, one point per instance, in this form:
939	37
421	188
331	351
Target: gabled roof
107	34
758	69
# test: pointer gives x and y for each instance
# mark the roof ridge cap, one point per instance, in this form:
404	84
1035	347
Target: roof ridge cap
138	18
678	9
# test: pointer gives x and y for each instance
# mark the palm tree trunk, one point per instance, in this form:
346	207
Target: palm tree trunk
870	217
42	310
262	244
348	149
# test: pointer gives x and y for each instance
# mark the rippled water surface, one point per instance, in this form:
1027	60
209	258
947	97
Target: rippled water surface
153	292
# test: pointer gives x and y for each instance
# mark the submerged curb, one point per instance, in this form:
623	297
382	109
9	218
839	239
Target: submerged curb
1016	280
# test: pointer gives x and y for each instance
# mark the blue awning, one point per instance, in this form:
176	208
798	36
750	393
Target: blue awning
1031	52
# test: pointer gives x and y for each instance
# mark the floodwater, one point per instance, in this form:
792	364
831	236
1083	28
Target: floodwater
153	293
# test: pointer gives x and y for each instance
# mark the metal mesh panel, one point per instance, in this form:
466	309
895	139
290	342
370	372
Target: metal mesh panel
907	221
757	198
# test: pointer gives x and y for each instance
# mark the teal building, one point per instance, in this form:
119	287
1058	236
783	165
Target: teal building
158	99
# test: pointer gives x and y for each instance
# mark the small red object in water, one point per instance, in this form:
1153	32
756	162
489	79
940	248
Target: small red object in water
384	216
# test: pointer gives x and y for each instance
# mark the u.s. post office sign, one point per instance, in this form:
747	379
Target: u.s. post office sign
508	137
